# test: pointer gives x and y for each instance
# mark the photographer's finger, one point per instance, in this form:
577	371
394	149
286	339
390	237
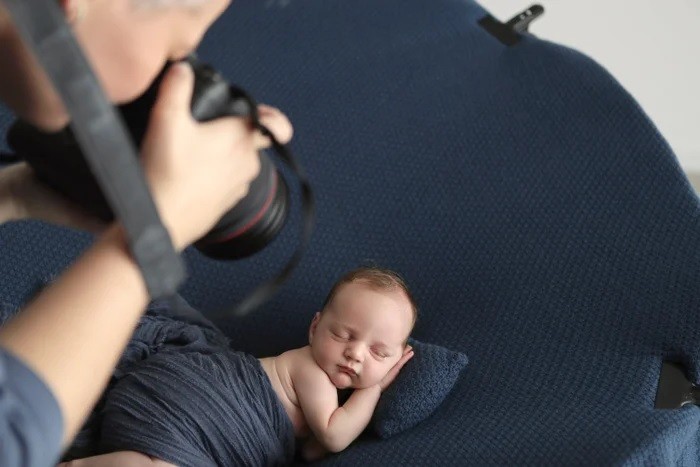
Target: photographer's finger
175	92
235	131
278	124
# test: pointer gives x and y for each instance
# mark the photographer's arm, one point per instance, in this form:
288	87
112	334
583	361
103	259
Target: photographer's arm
72	334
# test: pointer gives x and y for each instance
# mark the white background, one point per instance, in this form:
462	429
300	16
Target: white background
651	46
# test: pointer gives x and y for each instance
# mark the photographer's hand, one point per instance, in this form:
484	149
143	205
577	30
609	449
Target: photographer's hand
197	171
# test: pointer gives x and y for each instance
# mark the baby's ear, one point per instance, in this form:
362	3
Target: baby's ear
314	325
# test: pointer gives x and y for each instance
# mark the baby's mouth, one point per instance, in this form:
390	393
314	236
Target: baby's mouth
347	370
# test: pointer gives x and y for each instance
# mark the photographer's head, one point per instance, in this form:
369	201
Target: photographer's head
126	41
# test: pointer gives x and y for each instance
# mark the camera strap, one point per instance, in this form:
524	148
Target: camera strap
265	291
104	140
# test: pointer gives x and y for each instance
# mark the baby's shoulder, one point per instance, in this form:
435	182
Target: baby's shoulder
300	358
300	364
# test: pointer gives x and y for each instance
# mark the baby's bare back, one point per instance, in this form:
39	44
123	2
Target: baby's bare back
279	370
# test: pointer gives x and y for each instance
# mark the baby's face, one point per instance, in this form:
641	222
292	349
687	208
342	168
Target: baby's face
360	335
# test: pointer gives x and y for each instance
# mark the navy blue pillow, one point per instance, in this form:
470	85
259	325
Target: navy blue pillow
419	389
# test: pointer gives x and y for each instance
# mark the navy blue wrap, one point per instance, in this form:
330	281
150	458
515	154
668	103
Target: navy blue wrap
180	394
197	409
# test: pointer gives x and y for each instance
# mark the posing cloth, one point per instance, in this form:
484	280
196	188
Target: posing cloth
179	393
196	409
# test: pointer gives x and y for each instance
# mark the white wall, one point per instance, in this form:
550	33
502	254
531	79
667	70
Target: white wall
651	46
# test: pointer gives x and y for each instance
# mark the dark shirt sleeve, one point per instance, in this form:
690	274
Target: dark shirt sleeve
31	423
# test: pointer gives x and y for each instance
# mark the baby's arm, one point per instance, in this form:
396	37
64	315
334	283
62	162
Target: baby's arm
334	427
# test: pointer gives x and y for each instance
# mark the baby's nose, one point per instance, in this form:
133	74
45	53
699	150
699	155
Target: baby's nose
353	353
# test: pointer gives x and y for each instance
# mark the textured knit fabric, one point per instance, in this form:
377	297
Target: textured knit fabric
419	389
542	222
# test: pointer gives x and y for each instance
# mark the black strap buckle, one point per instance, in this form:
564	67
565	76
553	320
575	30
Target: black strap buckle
511	32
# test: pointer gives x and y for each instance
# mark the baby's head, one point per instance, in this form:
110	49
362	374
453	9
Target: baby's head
361	332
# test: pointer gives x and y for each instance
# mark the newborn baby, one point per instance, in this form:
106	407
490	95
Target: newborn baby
357	341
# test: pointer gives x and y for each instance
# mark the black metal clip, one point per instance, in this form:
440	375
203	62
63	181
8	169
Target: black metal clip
675	390
693	397
510	32
521	22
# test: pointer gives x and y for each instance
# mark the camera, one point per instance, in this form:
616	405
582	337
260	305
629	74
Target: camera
245	229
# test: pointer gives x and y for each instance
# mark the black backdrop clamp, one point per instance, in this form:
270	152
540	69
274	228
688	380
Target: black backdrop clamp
675	389
510	32
107	147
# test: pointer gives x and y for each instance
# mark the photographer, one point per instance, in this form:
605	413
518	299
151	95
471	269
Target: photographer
57	354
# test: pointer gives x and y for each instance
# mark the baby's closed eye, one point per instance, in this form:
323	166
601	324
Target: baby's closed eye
340	335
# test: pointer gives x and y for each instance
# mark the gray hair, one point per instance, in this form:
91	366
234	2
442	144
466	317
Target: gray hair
164	3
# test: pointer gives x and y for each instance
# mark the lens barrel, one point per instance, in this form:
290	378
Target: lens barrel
256	219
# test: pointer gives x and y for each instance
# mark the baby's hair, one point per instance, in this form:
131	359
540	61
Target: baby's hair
378	279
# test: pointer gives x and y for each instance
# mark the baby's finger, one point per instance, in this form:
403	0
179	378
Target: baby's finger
405	358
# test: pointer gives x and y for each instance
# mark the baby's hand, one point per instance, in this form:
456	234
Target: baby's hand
393	373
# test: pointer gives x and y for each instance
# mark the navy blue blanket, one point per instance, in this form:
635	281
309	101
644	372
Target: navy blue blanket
181	394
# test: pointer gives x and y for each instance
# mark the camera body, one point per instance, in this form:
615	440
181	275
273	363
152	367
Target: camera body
245	229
